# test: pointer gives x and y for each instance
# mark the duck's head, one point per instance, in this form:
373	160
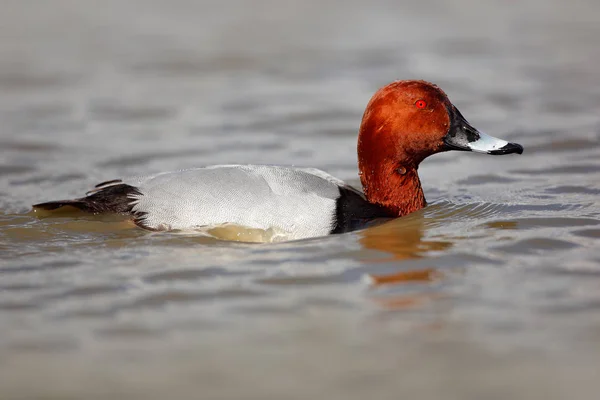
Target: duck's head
407	121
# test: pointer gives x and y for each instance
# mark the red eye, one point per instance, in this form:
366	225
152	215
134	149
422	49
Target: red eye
421	104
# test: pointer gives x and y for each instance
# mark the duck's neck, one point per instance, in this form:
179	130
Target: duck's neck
394	187
389	155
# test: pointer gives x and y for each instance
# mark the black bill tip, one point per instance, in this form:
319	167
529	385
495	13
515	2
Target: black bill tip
509	148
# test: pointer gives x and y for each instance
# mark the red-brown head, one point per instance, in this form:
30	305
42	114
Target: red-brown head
405	122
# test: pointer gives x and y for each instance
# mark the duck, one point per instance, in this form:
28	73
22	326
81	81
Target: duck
404	122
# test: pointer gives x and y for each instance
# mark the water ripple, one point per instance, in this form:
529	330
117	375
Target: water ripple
534	223
537	246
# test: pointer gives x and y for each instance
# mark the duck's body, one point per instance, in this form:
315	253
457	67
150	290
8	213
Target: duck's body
404	122
300	202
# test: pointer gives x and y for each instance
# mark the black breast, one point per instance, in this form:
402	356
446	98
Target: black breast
353	211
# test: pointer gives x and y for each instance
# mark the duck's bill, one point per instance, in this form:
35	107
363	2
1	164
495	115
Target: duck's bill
462	136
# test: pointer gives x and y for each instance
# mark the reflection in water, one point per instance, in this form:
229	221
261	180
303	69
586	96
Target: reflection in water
400	302
420	275
403	239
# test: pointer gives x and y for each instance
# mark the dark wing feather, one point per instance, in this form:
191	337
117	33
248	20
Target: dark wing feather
110	199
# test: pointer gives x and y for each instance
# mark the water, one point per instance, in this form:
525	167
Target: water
490	292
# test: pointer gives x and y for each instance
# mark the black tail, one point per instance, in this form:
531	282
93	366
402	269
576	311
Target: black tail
54	205
112	199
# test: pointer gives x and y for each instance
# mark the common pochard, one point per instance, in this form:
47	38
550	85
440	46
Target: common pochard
404	123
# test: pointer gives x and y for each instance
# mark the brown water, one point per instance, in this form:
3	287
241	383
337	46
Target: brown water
493	291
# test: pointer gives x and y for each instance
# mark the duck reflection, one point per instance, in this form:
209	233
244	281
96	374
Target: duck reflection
402	240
